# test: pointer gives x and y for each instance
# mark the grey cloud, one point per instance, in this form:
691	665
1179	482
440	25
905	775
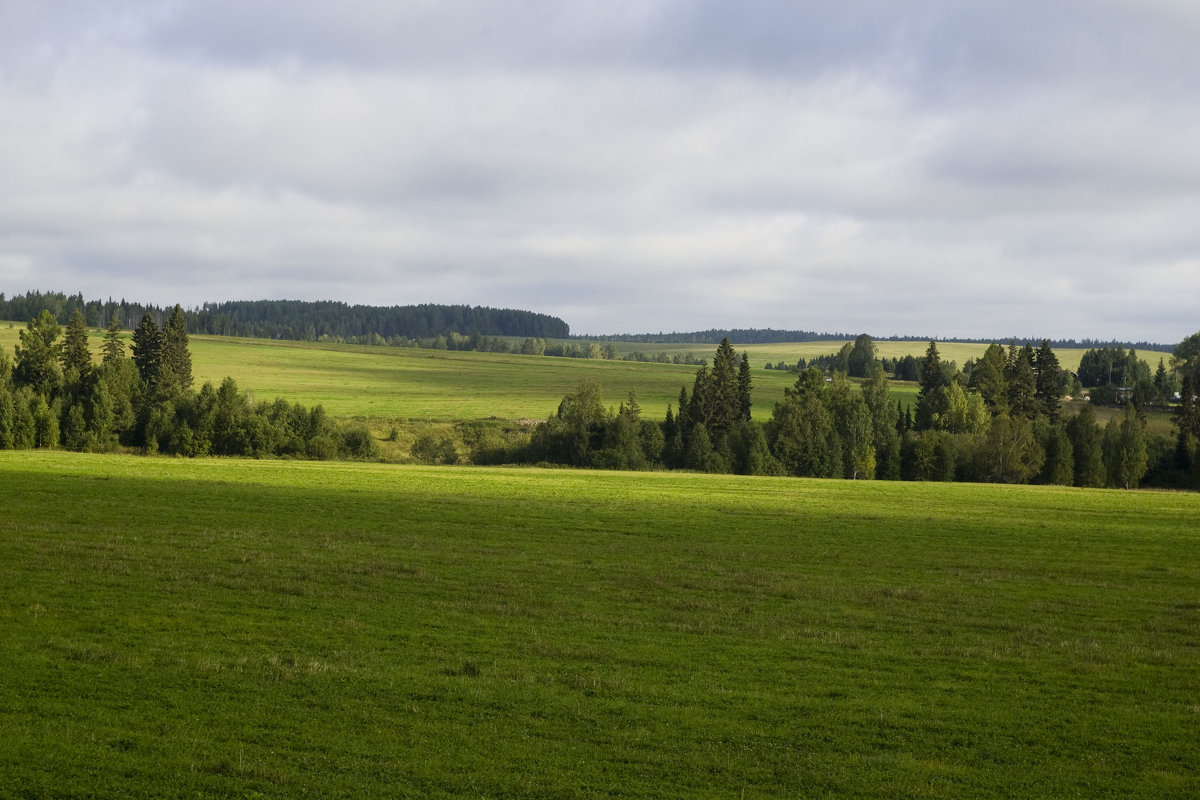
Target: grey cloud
880	166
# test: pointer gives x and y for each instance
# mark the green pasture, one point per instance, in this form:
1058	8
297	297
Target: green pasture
224	628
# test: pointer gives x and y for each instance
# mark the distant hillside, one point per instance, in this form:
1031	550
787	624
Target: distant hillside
301	320
772	336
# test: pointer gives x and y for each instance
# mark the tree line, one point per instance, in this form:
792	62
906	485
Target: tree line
1002	422
299	320
54	394
776	336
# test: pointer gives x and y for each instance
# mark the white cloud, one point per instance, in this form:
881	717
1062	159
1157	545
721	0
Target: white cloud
930	168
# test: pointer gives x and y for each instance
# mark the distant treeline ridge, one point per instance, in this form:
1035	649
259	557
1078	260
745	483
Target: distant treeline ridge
298	319
774	336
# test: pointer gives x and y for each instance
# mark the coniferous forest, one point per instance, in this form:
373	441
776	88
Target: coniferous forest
300	320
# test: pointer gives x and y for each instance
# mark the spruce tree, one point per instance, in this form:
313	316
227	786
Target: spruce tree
75	356
175	355
683	418
724	392
1022	384
1047	380
930	397
744	402
113	348
148	349
700	406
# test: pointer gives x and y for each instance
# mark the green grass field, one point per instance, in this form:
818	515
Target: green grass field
224	628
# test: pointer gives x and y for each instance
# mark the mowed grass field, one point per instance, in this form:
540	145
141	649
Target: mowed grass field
226	628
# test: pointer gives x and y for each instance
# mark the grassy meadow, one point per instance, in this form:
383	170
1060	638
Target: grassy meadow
219	628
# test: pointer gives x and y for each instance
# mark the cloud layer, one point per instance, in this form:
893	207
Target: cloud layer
942	168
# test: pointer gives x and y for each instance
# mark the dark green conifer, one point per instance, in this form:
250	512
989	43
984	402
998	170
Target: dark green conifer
75	356
744	402
175	355
148	349
1022	383
1047	380
113	348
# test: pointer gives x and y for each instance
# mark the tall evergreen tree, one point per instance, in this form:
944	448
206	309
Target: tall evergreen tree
700	406
744	401
75	356
175	355
1047	380
1022	384
725	409
113	348
148	349
1162	382
930	398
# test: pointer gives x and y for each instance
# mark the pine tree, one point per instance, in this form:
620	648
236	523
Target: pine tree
113	348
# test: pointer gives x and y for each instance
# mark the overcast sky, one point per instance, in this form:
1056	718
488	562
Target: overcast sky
928	167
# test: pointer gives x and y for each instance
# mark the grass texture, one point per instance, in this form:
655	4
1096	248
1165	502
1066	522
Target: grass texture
227	628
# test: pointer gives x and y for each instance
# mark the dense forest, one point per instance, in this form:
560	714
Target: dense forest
300	320
52	394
